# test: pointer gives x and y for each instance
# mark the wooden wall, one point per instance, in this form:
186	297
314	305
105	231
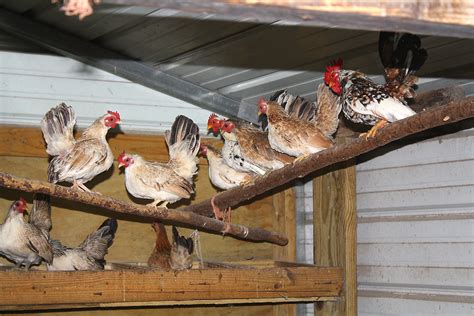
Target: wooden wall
23	154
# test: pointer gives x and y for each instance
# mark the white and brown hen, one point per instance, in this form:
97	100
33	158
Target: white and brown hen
27	242
89	255
77	161
220	173
165	182
299	133
246	148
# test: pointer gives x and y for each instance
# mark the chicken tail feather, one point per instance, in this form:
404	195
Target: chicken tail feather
183	241
401	55
183	142
57	126
98	242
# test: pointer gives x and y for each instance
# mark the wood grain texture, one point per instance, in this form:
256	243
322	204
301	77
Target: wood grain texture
284	220
21	289
28	142
426	16
335	232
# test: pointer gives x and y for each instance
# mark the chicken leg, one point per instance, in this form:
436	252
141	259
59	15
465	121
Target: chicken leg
373	131
225	216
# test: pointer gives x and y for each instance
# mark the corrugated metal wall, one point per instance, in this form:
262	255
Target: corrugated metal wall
416	229
32	82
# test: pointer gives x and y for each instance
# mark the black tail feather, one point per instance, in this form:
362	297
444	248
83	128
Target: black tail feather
183	241
401	51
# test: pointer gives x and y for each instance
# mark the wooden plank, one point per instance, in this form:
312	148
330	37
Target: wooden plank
436	17
284	220
28	142
335	231
206	286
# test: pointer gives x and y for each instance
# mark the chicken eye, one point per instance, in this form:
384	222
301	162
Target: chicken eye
17	204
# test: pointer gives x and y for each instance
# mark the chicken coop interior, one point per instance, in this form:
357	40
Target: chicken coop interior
365	222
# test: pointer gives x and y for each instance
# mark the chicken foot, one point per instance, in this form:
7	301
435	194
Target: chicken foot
225	216
373	131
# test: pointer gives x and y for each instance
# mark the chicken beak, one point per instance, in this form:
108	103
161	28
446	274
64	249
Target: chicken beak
209	126
259	113
120	165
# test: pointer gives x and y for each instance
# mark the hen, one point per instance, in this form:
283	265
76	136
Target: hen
289	134
89	255
166	256
27	242
364	101
323	113
246	148
165	182
161	254
222	175
77	161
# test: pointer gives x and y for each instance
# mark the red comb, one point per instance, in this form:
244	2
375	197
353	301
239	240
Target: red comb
22	199
120	157
116	114
261	101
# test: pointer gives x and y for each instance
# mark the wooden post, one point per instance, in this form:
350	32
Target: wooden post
335	232
284	219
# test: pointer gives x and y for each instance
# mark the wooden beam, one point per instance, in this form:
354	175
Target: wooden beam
438	116
91	54
431	17
335	232
177	217
284	221
22	290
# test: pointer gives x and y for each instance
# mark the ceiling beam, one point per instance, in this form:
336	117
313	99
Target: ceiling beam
123	66
453	18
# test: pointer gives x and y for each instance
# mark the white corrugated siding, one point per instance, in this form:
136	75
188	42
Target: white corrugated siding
32	83
416	229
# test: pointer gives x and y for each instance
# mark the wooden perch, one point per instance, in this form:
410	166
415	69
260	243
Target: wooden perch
175	216
434	117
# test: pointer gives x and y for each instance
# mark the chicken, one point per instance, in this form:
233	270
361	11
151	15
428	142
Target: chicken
364	101
27	242
246	148
89	255
222	175
181	251
166	182
77	161
323	113
166	256
161	254
291	135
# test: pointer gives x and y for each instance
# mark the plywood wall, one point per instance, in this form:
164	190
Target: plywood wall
135	238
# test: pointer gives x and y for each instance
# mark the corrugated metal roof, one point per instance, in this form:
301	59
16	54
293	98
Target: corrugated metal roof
244	60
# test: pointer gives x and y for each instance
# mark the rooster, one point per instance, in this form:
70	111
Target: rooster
290	135
89	255
165	182
222	175
27	242
364	101
77	161
166	256
246	148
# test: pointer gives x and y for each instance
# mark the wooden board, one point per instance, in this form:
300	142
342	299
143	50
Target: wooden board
284	221
335	228
28	142
152	287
